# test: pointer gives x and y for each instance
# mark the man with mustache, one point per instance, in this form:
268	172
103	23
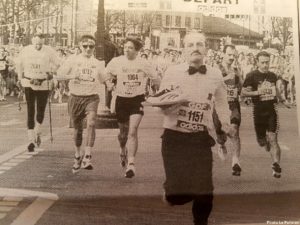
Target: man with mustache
233	82
186	142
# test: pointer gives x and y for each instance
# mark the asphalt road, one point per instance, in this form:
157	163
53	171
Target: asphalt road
41	189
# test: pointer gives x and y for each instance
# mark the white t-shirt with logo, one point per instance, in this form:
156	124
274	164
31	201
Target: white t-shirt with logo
35	64
85	74
131	75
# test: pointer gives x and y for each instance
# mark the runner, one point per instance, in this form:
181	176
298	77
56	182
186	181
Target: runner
261	86
85	73
3	73
131	74
233	81
36	62
186	142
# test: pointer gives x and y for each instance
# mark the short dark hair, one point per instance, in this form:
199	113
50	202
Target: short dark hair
39	35
136	42
144	54
87	36
262	53
228	46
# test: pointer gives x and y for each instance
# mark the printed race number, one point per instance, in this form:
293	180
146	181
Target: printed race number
193	116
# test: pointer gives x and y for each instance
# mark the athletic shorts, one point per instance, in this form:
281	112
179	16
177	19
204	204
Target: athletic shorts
79	106
125	107
265	120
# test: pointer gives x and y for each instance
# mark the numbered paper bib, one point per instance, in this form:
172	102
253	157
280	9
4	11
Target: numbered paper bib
2	65
194	116
232	94
132	84
268	93
86	75
131	87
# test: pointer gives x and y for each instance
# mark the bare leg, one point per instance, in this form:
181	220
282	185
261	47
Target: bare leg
274	147
132	144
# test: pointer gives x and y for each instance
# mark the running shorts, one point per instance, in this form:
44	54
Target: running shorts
265	120
80	106
125	107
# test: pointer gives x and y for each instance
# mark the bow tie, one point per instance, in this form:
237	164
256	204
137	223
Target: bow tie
202	69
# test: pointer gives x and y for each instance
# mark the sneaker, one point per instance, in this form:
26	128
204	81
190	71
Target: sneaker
166	97
222	152
123	159
130	171
86	162
236	170
38	140
77	164
31	147
276	170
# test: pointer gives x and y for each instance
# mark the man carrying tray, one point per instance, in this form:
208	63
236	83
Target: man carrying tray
186	142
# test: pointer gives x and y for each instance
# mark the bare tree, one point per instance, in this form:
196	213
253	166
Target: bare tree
281	28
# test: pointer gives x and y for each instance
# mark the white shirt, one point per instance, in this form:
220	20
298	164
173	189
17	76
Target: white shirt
85	74
204	93
35	64
131	75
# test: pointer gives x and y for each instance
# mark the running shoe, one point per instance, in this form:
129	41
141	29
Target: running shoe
86	162
123	158
222	152
77	164
31	147
166	97
130	170
276	170
236	170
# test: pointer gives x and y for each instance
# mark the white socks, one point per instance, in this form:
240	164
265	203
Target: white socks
31	135
37	128
130	160
88	150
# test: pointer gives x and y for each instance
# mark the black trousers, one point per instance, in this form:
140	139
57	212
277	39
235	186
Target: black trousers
40	99
187	162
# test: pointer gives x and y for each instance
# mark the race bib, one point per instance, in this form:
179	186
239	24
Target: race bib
36	70
194	116
269	93
132	84
232	94
86	75
2	65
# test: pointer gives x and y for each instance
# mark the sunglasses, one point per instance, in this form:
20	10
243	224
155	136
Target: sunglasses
88	46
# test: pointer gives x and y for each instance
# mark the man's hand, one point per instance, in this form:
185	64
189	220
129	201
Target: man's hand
19	84
49	75
228	129
109	85
167	109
